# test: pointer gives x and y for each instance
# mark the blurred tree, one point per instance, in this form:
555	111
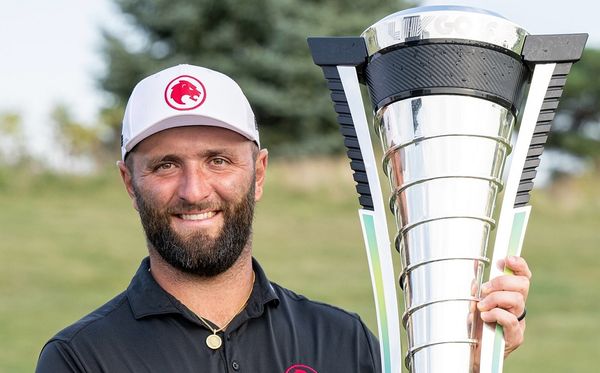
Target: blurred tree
12	139
260	43
577	127
78	139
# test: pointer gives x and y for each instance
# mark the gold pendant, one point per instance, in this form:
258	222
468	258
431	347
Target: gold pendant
213	341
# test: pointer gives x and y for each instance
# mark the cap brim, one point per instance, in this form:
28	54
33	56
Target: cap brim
183	121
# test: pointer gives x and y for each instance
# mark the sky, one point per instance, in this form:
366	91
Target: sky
50	52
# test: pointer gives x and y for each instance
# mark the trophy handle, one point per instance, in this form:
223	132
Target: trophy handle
340	58
551	57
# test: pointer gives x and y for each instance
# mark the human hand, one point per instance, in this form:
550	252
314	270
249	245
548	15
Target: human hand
503	301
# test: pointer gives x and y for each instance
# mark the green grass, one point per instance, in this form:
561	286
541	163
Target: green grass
68	244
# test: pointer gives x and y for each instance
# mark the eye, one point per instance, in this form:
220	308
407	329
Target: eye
217	161
164	166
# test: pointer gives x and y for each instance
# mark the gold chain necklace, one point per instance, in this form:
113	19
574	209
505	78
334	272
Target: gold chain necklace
214	341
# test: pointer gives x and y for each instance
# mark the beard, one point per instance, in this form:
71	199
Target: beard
197	253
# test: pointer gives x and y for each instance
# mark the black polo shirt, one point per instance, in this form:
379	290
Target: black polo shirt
145	329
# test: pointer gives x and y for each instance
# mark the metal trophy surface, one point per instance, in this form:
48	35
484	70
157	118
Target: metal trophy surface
448	86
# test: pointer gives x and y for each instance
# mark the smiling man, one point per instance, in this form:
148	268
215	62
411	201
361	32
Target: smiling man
193	167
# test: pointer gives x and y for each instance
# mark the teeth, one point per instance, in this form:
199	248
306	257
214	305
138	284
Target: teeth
202	216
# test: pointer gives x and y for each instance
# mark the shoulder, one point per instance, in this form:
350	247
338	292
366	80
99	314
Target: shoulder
315	308
322	317
95	322
66	350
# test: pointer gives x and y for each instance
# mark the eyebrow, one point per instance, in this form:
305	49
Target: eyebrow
163	158
214	152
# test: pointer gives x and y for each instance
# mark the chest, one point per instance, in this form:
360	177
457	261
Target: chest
256	346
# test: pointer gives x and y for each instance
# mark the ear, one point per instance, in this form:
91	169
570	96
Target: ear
262	161
127	178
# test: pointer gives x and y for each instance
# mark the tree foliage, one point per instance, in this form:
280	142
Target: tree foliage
262	45
259	43
12	138
77	139
577	130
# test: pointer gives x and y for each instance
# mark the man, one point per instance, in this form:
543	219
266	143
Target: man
193	167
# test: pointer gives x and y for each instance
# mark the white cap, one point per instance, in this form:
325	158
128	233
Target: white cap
185	95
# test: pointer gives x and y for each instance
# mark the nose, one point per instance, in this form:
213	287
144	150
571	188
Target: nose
194	186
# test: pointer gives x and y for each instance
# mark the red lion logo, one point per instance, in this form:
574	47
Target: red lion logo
184	88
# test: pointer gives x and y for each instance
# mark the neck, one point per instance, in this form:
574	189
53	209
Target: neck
217	298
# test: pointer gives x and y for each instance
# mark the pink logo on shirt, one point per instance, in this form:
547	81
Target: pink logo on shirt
299	368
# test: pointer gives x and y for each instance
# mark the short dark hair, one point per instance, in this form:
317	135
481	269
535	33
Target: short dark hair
129	161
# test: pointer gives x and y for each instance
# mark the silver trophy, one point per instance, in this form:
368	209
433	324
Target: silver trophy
448	86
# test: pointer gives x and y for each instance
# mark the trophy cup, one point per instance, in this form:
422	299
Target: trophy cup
448	85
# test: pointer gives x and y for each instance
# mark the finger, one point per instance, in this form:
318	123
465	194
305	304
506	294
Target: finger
518	265
511	301
519	284
514	330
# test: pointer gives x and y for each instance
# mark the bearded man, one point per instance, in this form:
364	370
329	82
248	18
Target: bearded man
193	167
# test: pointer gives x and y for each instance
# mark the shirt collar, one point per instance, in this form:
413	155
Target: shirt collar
262	292
147	298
